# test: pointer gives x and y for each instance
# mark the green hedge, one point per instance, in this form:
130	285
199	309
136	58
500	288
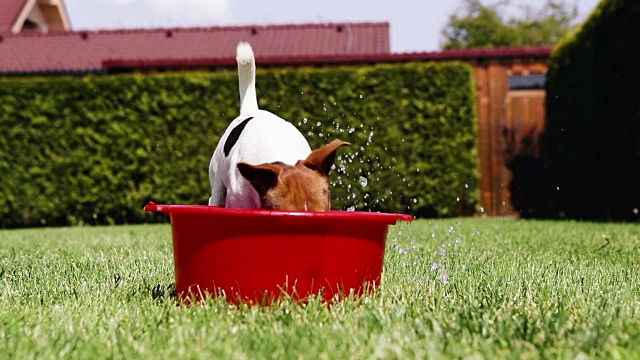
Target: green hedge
95	149
591	147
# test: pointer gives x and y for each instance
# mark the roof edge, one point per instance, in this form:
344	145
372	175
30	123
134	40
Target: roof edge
22	15
64	14
466	54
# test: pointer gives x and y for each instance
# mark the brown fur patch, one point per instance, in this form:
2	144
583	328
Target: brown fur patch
299	188
302	187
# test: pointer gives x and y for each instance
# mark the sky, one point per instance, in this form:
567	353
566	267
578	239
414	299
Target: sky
415	25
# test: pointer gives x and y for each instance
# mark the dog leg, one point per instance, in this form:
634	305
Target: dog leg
218	190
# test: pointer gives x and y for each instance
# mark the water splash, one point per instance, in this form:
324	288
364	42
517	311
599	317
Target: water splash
362	164
402	242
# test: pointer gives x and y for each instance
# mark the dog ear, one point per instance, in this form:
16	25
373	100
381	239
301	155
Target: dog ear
322	159
263	177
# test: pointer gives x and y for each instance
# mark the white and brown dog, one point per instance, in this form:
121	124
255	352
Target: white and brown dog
263	161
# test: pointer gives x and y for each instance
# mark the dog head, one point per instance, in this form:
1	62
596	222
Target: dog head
303	186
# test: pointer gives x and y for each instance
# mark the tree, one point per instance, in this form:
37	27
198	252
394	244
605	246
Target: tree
480	25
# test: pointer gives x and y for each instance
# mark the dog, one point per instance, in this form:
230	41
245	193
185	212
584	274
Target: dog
263	161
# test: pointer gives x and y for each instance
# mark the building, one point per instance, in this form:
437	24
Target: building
35	40
42	15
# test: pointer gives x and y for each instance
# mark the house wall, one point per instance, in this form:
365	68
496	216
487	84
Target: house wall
45	14
37	17
54	14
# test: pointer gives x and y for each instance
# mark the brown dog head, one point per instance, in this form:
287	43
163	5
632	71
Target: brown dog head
303	186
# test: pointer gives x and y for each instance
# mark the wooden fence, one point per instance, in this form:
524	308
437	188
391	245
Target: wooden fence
510	120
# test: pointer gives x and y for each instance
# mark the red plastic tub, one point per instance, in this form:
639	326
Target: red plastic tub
256	256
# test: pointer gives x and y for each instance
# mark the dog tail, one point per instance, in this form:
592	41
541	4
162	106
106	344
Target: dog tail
246	77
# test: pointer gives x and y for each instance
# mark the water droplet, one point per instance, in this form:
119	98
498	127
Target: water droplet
304	121
433	235
444	277
301	92
360	96
450	228
318	123
351	130
458	199
363	181
415	201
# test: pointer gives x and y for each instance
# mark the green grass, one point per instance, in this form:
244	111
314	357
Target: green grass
470	288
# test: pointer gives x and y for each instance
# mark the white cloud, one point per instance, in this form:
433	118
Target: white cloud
214	8
178	12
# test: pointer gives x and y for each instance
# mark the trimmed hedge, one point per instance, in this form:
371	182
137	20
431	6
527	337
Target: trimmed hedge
591	147
95	149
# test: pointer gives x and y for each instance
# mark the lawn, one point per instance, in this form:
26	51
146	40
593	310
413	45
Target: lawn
469	288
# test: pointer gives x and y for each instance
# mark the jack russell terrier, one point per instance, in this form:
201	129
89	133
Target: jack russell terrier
263	161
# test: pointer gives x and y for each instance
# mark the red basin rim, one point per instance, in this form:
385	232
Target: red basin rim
333	214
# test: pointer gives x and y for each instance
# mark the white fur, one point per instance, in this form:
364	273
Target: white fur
266	138
246	78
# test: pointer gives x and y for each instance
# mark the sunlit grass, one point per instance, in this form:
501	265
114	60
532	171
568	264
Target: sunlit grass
450	289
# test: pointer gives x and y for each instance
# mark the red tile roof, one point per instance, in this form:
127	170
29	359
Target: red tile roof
82	51
9	11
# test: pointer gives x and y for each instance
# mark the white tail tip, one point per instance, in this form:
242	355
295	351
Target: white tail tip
244	53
